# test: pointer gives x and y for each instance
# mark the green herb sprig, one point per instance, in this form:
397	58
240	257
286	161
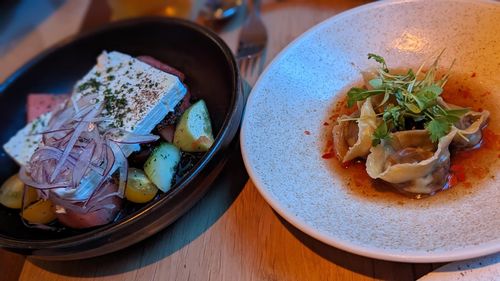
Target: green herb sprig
409	98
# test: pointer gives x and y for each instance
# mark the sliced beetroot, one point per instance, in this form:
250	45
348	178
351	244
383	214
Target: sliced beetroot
39	104
185	103
167	130
138	158
100	216
167	133
162	66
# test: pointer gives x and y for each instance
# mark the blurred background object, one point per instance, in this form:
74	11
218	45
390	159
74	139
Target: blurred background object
27	25
252	44
218	10
121	9
13	15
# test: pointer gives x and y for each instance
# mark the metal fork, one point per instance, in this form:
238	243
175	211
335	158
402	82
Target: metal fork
252	42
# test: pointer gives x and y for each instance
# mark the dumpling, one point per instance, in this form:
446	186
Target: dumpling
352	139
411	162
469	127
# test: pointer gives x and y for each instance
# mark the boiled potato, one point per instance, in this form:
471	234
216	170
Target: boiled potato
11	193
162	164
139	188
194	131
41	212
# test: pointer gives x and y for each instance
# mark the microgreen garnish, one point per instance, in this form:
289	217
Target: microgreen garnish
381	133
411	100
437	128
359	94
380	60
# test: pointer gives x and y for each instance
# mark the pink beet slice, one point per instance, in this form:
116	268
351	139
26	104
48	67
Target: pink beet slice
39	104
162	66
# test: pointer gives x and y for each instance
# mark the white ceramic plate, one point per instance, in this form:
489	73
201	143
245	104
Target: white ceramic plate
478	269
296	94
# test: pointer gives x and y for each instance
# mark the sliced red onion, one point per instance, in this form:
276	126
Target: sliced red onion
50	131
28	181
84	112
76	134
101	193
74	149
67	150
47	153
122	164
124	137
110	160
86	100
96	207
43	194
60	117
66	204
58	141
96	120
99	149
83	163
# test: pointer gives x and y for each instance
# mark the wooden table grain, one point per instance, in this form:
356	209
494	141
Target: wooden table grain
231	234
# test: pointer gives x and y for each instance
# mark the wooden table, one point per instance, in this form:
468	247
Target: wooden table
231	234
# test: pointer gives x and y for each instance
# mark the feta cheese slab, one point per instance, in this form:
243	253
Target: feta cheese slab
135	95
24	143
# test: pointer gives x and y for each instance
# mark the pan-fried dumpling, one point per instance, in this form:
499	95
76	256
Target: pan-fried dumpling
411	161
353	139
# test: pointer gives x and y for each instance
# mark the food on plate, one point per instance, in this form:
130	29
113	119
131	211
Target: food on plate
411	161
13	192
42	103
161	164
102	208
139	187
41	212
194	132
354	139
404	129
76	150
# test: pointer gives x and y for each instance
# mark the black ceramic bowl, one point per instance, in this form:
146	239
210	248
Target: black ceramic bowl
211	74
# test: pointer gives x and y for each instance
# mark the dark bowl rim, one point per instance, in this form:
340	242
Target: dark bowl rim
235	112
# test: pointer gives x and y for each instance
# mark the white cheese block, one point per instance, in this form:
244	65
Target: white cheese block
136	98
24	143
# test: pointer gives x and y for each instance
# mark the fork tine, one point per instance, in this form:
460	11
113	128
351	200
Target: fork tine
252	40
243	66
253	63
262	61
248	66
240	64
251	66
